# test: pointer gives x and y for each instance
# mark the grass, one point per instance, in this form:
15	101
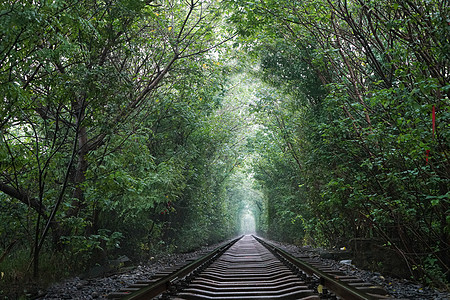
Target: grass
16	278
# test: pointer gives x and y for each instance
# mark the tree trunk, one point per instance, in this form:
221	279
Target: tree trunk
80	173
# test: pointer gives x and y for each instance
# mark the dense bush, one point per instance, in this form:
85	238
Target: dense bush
359	113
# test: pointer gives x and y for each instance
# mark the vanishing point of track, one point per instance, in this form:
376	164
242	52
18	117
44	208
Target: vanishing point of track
250	268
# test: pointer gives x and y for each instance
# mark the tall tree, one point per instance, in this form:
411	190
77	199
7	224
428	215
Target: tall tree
75	75
379	160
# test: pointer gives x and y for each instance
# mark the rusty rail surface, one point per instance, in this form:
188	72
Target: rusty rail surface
246	271
163	284
329	280
252	268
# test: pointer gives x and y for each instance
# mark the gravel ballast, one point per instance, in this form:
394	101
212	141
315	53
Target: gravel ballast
100	287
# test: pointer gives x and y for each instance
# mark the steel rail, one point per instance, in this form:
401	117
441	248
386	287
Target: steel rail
162	285
340	288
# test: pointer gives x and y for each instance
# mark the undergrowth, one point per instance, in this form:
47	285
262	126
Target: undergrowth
17	281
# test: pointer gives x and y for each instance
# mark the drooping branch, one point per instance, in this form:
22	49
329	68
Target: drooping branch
23	197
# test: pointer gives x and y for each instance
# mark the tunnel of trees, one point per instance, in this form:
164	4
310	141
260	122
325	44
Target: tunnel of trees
139	127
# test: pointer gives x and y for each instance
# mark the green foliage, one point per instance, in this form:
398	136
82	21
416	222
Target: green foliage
106	125
353	88
125	121
83	248
15	271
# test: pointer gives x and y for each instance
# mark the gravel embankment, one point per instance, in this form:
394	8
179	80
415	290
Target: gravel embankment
397	288
100	287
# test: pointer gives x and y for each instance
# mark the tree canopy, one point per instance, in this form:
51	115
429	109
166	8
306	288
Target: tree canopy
137	127
357	105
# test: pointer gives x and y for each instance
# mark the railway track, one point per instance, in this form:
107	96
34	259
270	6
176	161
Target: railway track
251	268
